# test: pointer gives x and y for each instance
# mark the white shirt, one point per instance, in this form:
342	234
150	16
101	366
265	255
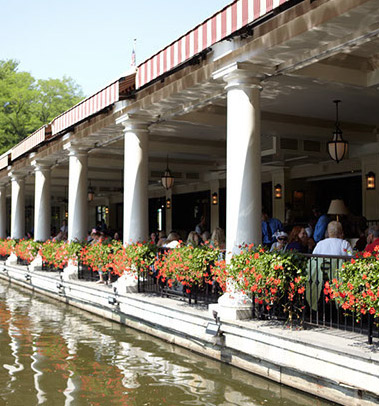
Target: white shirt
172	244
333	246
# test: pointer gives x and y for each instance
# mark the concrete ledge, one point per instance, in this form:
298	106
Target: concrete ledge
333	367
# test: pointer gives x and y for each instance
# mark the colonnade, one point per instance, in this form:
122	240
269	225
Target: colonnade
243	175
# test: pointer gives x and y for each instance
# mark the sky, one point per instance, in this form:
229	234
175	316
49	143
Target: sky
91	41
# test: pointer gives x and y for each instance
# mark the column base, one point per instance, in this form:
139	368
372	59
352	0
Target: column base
70	273
11	260
36	264
232	306
126	283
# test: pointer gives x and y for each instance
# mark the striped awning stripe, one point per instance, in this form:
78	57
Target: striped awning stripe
4	161
86	108
29	143
222	24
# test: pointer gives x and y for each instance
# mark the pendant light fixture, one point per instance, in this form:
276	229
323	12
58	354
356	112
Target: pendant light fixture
337	148
167	178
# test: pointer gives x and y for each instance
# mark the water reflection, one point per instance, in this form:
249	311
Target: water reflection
54	354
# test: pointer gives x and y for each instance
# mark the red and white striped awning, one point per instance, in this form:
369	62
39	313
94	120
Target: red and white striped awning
222	24
86	108
4	161
29	143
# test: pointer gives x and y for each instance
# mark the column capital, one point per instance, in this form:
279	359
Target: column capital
15	176
40	165
75	150
243	75
132	122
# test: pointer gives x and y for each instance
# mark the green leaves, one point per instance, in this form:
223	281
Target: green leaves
356	288
27	104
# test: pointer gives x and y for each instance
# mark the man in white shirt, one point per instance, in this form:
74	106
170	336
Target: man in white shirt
334	244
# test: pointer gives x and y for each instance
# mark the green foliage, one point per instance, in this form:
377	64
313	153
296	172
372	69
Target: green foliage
356	288
132	258
6	247
27	249
27	104
187	264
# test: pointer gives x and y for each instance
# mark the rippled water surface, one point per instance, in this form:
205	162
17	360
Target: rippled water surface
53	354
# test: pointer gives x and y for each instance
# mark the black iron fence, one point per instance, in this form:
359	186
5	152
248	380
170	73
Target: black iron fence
148	282
203	292
85	273
323	312
316	309
49	268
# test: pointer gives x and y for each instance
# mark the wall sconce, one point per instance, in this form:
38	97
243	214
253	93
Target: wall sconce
90	193
168	204
278	191
214	198
337	148
167	178
66	214
370	181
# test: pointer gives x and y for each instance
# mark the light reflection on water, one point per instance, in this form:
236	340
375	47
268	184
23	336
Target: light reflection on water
54	354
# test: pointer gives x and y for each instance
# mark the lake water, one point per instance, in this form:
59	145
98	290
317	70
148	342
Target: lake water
53	354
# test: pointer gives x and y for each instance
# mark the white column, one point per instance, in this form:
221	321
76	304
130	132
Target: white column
18	206
243	201
77	195
168	212
3	212
136	213
42	209
243	178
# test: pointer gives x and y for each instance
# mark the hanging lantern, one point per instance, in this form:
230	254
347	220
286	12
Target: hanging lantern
167	178
337	148
214	198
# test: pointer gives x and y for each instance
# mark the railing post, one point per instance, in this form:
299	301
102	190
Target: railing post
370	325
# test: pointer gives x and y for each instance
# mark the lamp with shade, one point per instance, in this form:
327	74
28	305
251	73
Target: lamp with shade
337	207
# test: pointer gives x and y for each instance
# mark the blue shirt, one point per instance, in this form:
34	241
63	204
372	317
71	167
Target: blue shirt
320	228
275	225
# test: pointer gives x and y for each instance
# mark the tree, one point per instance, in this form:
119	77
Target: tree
27	104
55	96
